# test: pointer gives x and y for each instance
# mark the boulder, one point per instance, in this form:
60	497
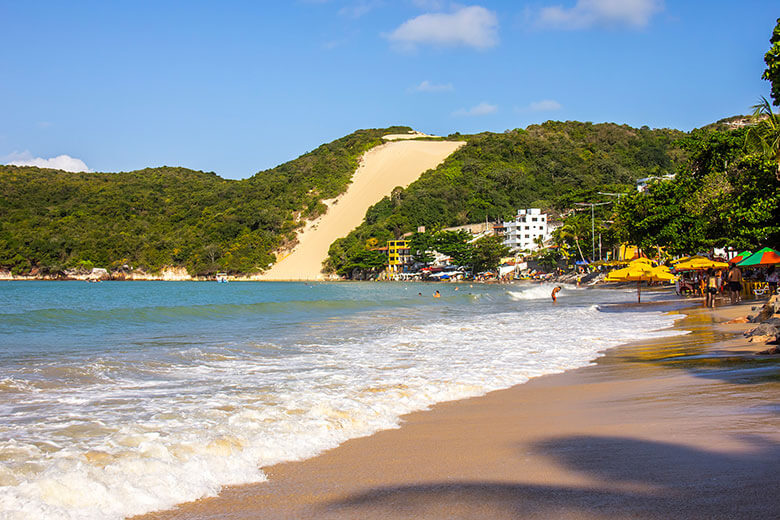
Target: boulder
763	329
763	314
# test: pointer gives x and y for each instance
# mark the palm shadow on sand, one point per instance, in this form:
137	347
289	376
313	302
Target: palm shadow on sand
670	481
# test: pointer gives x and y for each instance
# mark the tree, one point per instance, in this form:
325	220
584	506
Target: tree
764	136
419	245
487	253
548	259
772	60
363	261
574	228
661	217
454	244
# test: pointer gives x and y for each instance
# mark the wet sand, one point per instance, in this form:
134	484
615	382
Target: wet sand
680	427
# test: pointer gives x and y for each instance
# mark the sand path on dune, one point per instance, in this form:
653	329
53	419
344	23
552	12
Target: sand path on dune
398	163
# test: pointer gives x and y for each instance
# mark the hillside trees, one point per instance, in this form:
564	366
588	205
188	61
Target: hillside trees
550	166
729	193
156	217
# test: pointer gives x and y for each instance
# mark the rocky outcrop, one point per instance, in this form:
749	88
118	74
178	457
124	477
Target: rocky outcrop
768	328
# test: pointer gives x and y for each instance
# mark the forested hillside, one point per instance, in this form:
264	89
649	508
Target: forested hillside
550	166
156	217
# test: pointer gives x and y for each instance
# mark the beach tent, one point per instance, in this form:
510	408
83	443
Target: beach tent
742	256
699	263
766	256
640	270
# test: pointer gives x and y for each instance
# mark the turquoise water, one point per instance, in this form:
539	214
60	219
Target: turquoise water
118	398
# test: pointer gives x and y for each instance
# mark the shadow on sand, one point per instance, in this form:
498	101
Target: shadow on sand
634	479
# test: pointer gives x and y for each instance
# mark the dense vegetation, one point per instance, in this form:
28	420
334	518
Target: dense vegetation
729	193
726	197
550	166
51	220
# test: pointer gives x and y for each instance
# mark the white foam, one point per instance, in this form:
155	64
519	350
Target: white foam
540	291
165	433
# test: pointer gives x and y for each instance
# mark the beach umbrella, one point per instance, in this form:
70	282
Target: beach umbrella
700	263
640	271
742	256
766	256
685	259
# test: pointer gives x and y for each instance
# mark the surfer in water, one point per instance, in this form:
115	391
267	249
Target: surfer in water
555	293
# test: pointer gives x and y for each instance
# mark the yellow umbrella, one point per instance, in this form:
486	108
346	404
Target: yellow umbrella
685	259
700	263
639	272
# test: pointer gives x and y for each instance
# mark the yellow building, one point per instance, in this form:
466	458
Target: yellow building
398	255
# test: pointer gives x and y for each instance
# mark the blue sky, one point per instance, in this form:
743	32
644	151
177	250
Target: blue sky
238	87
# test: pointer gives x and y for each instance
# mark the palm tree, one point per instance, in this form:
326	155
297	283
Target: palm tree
764	136
573	228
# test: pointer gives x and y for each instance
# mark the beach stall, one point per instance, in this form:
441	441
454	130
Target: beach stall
766	257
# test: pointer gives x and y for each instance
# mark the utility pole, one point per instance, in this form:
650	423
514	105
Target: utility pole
592	224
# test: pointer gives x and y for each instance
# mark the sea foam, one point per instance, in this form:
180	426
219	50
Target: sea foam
140	430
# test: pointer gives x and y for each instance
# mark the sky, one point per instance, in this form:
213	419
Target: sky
238	87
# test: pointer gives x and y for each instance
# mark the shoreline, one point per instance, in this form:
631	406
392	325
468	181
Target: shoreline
600	441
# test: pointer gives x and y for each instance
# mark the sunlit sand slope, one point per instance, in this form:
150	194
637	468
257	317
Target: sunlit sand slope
398	163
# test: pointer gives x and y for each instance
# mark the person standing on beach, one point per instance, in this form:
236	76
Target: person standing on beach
772	277
735	284
711	289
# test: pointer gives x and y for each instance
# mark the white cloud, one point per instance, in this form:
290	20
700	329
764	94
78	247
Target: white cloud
588	13
472	26
61	162
482	109
545	105
427	86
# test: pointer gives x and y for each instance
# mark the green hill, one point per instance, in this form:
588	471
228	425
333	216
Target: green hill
550	166
156	217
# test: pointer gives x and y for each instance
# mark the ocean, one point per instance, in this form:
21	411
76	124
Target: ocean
119	398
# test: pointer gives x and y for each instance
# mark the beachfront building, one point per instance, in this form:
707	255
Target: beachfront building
398	255
524	231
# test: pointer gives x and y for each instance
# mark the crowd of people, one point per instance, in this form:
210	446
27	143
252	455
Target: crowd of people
712	282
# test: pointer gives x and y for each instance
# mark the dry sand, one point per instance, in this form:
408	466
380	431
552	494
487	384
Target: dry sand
398	163
684	427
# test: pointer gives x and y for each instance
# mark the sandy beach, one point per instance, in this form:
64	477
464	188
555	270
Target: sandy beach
396	163
681	427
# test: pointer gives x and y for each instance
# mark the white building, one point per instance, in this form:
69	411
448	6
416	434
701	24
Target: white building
524	231
642	185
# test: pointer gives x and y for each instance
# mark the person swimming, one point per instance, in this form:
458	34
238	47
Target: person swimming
555	293
437	294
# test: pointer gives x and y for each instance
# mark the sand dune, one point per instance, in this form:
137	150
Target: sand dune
397	163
